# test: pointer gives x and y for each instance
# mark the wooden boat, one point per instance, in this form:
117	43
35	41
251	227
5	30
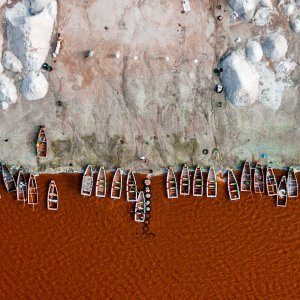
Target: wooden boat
140	208
116	187
198	182
87	181
8	179
101	183
172	191
292	184
41	144
52	199
185	184
282	193
271	182
32	191
131	187
233	187
259	182
211	183
246	179
21	187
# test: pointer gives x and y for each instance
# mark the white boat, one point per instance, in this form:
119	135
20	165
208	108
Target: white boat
282	193
101	183
185	183
211	183
198	182
172	191
87	182
33	195
140	208
246	178
8	179
233	187
21	187
292	184
52	199
259	181
271	182
116	187
131	187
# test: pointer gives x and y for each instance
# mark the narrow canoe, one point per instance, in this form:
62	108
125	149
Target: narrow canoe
233	187
185	184
292	184
21	187
271	182
246	179
41	144
211	183
140	208
8	179
101	183
172	190
87	182
131	188
116	187
259	182
282	193
198	182
33	196
52	199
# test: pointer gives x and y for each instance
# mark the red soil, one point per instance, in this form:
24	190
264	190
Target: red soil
197	248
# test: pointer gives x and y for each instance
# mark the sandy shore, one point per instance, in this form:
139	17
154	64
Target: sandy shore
197	248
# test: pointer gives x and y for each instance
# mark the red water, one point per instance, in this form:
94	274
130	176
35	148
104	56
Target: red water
195	248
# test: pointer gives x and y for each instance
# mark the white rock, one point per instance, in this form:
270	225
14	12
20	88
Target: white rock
11	62
2	2
29	36
288	9
244	8
263	16
4	105
297	2
275	46
8	91
295	24
37	5
254	51
34	86
240	79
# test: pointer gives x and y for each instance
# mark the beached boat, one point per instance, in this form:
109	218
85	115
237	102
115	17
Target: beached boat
101	183
282	193
259	182
233	187
271	182
21	187
8	179
198	182
116	187
172	190
211	183
185	184
246	179
292	184
41	144
52	199
131	188
140	208
87	182
33	196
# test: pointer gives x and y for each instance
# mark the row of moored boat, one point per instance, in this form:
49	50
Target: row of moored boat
287	187
28	192
132	194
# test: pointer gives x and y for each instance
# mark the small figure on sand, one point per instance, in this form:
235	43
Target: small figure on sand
90	53
143	158
58	46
